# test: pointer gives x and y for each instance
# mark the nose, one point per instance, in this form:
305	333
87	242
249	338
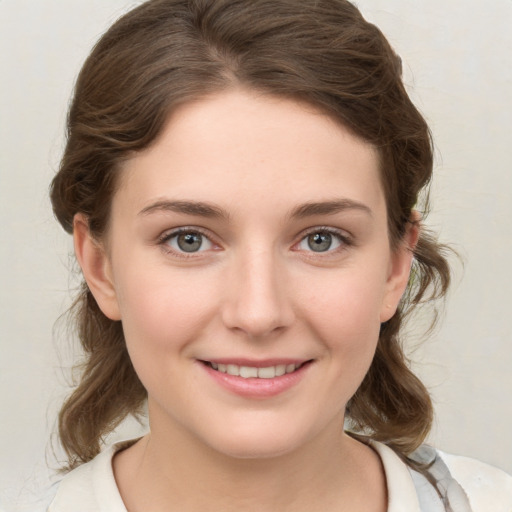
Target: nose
257	301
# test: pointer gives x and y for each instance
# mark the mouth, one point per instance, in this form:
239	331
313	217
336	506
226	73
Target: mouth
256	372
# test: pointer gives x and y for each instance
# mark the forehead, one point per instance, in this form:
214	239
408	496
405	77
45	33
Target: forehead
241	149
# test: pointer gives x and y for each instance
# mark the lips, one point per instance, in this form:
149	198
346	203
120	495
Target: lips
257	379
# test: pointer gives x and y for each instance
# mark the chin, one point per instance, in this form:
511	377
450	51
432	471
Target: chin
263	447
259	440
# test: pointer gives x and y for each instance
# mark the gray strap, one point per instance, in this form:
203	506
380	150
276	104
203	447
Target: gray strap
450	493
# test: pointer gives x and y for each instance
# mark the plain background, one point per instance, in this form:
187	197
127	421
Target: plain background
458	69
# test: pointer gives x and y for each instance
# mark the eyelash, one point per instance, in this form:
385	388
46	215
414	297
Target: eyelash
344	239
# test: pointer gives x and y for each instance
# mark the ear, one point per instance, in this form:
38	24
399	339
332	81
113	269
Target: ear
96	268
400	268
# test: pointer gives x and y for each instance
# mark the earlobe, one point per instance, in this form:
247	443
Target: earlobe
95	266
400	269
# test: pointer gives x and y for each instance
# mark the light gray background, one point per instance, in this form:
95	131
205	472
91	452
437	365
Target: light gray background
458	69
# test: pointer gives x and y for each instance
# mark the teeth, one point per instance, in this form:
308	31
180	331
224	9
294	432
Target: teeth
248	372
280	370
233	369
267	373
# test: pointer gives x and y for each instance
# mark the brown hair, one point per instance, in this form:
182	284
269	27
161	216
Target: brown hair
167	52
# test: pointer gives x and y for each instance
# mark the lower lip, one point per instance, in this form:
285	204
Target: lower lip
257	388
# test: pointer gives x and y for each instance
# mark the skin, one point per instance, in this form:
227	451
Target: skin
255	290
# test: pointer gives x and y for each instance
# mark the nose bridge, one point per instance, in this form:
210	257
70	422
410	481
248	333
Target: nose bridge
257	301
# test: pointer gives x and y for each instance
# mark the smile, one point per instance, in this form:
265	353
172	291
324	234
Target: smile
252	372
257	380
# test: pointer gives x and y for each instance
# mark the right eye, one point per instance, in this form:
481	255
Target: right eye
187	241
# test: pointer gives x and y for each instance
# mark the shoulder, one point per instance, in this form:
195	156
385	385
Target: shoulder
90	488
74	490
466	484
487	487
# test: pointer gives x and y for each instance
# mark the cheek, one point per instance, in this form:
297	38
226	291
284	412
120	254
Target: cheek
162	311
345	314
347	303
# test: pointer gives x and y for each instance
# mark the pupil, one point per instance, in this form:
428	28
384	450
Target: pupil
190	242
320	242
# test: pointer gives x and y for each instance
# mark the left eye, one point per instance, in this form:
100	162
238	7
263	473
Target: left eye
320	241
189	242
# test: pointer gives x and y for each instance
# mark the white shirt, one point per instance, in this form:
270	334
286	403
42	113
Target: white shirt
92	486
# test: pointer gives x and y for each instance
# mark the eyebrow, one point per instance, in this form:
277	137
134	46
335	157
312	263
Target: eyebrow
209	210
328	208
198	208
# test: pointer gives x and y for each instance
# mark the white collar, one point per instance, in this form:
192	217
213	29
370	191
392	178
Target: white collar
402	495
102	488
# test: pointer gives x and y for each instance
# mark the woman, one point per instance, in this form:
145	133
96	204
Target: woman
240	180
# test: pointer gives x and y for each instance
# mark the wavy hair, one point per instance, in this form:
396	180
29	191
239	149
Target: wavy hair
164	53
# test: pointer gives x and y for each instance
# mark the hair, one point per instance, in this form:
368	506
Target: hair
165	53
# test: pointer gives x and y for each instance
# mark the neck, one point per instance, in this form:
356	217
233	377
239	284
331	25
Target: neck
168	471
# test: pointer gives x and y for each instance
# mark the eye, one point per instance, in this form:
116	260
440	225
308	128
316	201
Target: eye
322	240
187	241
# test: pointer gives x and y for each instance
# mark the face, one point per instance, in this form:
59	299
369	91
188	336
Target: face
249	261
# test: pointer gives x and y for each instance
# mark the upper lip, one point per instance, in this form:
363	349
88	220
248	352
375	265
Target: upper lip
259	363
